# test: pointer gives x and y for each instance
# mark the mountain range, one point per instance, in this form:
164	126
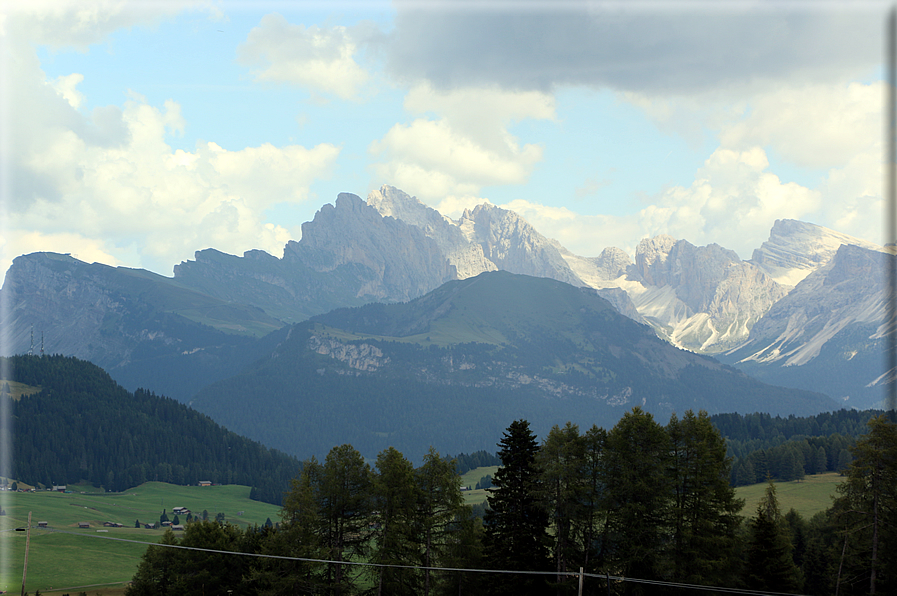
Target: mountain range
803	312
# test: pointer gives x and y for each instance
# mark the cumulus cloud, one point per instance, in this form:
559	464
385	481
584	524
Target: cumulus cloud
466	147
584	235
733	202
650	47
79	23
315	58
109	183
815	126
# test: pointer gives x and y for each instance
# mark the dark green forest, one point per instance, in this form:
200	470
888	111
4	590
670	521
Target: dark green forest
642	508
82	426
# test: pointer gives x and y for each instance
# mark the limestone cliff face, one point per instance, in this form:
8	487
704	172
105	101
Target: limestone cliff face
796	248
722	296
67	304
466	257
513	245
845	291
363	356
486	238
405	263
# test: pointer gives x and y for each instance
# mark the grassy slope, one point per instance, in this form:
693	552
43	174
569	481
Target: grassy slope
470	479
808	497
68	561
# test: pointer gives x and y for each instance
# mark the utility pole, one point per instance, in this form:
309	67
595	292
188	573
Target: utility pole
27	542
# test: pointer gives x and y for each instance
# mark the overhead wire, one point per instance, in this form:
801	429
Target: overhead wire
600	576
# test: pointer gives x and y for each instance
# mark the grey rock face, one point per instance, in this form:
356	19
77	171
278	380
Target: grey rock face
723	295
845	291
404	261
66	302
796	248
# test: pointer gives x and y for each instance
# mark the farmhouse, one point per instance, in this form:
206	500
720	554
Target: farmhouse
83	524
205	483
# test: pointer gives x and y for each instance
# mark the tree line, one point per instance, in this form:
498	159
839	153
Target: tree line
639	501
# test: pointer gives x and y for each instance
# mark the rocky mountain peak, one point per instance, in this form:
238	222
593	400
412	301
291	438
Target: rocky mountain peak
797	248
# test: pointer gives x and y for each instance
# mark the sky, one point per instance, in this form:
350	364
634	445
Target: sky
136	133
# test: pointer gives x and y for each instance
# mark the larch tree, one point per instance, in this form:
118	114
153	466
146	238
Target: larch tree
867	509
636	498
441	510
705	512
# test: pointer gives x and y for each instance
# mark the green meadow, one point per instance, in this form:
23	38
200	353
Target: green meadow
472	497
808	496
102	560
66	558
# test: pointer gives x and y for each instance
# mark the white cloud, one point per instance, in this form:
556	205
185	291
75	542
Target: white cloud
66	86
128	196
466	147
584	235
815	126
315	58
79	23
733	201
20	242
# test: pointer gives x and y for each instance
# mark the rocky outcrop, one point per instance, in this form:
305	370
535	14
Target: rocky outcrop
828	333
466	257
513	245
359	356
486	238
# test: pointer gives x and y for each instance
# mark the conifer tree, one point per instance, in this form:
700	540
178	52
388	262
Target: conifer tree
770	565
637	497
396	539
562	492
441	510
705	511
516	525
867	508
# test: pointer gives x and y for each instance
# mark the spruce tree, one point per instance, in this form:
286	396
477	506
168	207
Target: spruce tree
516	525
770	565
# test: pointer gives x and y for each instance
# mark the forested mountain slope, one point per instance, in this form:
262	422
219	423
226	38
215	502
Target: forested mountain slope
454	367
82	425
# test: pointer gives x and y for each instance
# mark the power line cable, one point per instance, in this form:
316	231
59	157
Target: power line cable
601	576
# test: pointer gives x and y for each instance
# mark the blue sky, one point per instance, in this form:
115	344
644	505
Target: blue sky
138	133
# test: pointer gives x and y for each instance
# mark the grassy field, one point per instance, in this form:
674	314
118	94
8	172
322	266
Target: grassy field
87	557
87	560
470	479
808	497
